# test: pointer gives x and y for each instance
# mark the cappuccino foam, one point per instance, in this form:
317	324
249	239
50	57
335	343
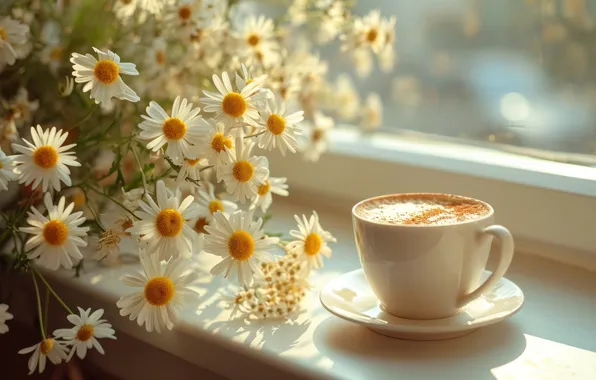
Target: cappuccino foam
422	209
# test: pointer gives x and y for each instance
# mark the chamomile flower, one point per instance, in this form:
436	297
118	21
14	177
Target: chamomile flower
272	186
102	76
156	58
57	237
241	243
13	35
311	241
162	292
184	14
4	316
163	225
87	329
247	78
209	204
181	131
45	161
243	174
7	172
218	145
332	21
231	106
372	112
346	97
191	168
49	348
317	137
278	129
256	41
125	9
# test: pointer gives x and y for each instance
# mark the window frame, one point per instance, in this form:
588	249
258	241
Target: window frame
544	204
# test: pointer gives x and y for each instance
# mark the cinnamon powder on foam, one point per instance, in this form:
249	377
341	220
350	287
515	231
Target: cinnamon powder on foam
434	211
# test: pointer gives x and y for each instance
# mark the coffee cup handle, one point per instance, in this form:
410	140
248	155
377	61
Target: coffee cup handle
505	257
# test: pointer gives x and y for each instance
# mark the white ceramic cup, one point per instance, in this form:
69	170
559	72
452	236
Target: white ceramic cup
429	271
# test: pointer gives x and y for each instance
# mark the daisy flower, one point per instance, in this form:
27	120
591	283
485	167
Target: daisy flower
163	225
57	237
243	173
231	106
54	350
332	21
125	9
209	204
181	131
156	57
87	329
13	35
102	76
277	128
218	145
241	243
346	97
317	137
256	41
246	78
191	168
4	316
183	14
162	292
45	161
7	172
311	241
272	186
372	112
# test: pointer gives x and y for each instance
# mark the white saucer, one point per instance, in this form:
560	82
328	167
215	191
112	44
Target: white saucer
351	298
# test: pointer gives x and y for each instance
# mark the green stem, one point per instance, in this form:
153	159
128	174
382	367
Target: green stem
92	209
85	118
113	200
40	316
134	152
46	306
52	291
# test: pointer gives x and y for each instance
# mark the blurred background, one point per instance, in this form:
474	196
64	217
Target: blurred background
516	75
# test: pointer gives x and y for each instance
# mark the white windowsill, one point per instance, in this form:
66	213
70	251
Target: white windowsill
552	337
545	204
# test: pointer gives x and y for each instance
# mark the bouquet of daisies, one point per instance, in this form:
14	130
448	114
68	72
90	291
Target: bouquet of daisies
163	153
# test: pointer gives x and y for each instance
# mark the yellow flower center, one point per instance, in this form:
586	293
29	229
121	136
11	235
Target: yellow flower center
276	124
241	245
372	35
184	12
317	134
106	71
192	162
312	244
46	346
79	199
56	53
253	39
200	225
55	232
85	333
249	81
1	165
3	33
264	189
169	222
233	104
45	156
160	57
219	142
174	128
215	206
159	291
243	171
